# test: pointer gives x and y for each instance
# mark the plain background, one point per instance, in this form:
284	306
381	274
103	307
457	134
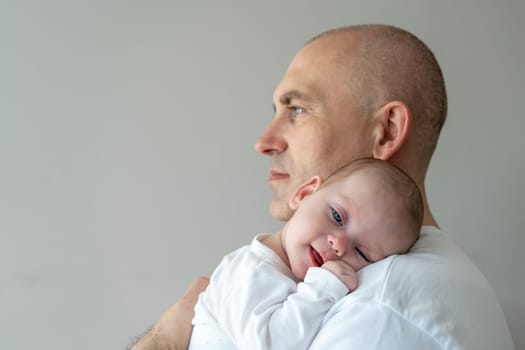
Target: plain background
127	161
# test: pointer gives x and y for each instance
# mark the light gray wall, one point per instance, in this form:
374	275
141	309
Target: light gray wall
126	149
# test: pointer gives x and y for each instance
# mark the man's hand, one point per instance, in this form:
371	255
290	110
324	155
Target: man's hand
173	330
343	271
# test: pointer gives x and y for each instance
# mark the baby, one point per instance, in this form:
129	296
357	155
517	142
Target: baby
274	293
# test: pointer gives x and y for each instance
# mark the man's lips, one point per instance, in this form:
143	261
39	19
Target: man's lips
277	175
316	258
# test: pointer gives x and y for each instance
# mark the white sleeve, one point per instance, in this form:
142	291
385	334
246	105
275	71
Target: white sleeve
370	326
260	308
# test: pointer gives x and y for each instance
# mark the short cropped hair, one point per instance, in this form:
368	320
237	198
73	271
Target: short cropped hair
390	64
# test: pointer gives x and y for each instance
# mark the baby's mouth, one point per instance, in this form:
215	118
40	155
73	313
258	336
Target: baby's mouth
316	258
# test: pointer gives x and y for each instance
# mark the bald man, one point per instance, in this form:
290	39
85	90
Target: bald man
369	91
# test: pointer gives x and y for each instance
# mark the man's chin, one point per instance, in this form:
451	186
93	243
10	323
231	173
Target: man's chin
280	212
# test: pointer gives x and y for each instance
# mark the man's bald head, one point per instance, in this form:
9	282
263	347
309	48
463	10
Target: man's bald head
384	64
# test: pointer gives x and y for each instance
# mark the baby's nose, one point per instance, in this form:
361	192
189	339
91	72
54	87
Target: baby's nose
338	243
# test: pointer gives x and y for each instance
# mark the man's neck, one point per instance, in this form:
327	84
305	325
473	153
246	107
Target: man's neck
428	218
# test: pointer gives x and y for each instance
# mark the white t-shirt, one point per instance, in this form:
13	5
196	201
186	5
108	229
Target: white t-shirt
431	298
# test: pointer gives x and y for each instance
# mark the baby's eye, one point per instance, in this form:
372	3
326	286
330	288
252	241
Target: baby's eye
337	217
363	255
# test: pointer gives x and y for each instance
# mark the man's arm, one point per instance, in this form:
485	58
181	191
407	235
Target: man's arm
173	330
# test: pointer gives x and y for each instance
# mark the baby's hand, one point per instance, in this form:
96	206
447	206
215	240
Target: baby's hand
343	271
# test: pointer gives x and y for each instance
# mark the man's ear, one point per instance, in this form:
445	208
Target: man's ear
304	191
393	122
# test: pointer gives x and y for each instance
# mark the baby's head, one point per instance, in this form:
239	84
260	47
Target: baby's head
364	212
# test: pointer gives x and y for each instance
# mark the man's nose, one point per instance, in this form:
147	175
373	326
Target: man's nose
272	139
339	243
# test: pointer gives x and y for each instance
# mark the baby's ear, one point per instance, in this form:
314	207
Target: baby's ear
304	191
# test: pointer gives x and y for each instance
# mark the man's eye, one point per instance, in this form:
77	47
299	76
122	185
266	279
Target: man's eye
297	110
363	255
337	217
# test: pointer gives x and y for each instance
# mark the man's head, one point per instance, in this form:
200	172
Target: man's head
363	91
364	212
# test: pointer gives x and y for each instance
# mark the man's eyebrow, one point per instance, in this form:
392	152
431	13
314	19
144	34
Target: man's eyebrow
287	97
293	95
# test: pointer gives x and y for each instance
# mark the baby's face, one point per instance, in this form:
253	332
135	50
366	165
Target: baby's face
350	219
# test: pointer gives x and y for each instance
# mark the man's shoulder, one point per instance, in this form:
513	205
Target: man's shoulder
433	260
435	288
436	281
434	266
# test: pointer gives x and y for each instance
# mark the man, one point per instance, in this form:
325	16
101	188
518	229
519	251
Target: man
370	91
